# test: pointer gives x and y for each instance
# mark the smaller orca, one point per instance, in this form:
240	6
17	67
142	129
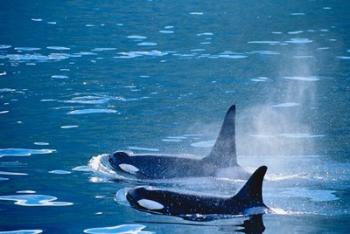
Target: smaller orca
248	201
152	166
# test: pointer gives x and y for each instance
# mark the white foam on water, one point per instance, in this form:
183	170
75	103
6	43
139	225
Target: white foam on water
265	42
81	168
150	204
35	200
92	111
27	48
120	229
103	49
255	210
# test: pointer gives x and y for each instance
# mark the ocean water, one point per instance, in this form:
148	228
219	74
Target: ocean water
79	79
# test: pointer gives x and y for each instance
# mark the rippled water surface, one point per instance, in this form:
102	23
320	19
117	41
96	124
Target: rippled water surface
79	79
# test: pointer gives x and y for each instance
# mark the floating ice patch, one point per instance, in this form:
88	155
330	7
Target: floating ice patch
147	44
35	200
205	34
316	195
24	152
121	229
5	47
295	32
302	78
137	37
12	173
3	73
89	100
60	172
196	13
297	14
3	112
37	19
59	77
52	22
203	144
41	143
286	104
166	31
27	48
26	191
134	54
150	205
299	41
229	56
265	52
343	57
91	111
143	148
23	231
259	79
69	126
128	168
3	178
7	90
103	49
57	48
265	42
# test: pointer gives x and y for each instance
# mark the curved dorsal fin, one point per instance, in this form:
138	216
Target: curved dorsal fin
223	152
252	190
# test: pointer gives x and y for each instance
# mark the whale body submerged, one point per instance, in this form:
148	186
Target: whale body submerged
152	166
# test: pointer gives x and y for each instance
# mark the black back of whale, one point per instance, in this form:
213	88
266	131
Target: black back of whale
223	154
184	205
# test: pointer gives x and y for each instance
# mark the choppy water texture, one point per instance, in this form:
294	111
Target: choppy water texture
83	78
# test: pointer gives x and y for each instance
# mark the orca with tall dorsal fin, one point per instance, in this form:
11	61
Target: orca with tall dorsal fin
248	201
153	166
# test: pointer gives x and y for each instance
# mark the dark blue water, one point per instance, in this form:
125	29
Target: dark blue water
83	78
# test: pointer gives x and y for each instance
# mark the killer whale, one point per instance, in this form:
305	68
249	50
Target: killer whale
248	201
151	166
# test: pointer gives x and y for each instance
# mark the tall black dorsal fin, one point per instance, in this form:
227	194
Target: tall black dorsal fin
252	190
223	152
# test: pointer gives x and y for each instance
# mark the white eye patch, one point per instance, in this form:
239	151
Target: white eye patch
150	205
128	168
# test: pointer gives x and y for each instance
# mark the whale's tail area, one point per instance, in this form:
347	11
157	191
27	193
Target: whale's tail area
251	193
223	153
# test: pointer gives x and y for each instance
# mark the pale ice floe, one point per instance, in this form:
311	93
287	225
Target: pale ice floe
34	200
203	144
91	111
60	172
69	126
23	231
57	48
302	78
23	152
120	229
